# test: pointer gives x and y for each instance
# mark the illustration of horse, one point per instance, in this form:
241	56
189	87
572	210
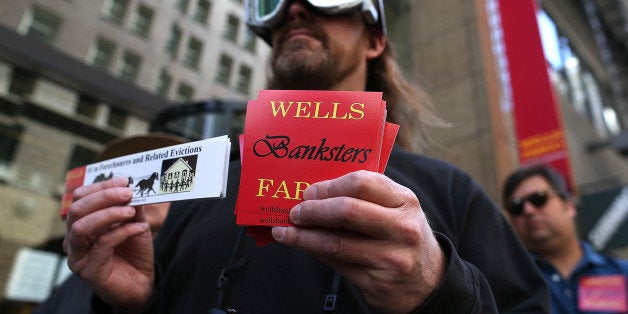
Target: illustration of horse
146	185
103	177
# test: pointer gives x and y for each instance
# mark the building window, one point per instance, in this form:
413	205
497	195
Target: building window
182	5
202	11
117	118
81	156
129	67
22	82
574	79
231	28
101	53
244	79
237	124
142	21
172	47
185	93
193	53
9	140
250	41
115	10
223	75
163	83
41	24
87	107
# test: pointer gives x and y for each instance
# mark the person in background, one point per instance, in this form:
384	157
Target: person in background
543	214
74	294
423	238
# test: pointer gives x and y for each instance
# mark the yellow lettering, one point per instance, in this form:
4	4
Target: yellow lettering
317	108
357	108
263	187
335	113
282	107
303	106
299	188
283	190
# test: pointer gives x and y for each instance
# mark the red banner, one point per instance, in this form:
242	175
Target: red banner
540	133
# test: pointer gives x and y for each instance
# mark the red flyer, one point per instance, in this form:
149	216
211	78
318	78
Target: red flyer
262	234
295	138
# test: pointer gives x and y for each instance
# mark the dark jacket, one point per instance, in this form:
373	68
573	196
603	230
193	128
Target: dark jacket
72	296
488	270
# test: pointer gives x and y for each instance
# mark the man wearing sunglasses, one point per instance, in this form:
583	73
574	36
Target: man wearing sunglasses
543	214
361	242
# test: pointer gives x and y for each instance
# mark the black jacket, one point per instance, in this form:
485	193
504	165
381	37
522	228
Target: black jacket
488	270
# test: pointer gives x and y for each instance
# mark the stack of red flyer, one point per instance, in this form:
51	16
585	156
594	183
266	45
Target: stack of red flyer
295	138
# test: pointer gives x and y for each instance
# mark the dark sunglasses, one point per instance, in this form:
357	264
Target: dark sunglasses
538	199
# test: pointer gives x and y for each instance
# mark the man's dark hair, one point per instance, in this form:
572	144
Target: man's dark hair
555	180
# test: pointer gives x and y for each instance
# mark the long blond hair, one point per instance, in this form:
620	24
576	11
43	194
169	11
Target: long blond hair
408	105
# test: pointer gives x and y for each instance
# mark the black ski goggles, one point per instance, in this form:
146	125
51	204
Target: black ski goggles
262	16
538	199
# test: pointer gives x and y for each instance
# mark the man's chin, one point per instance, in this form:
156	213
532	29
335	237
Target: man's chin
296	55
298	73
538	238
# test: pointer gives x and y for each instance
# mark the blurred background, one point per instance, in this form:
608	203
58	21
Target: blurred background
77	74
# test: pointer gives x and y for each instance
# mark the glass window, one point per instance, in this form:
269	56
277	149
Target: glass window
237	125
9	140
193	54
41	24
223	75
87	107
574	79
185	93
117	118
231	28
163	83
550	40
22	82
115	10
81	156
612	122
129	67
101	53
250	41
244	79
202	11
142	20
182	5
172	47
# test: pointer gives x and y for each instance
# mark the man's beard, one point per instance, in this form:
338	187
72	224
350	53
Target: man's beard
296	66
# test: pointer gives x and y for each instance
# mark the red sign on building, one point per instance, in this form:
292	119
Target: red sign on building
538	123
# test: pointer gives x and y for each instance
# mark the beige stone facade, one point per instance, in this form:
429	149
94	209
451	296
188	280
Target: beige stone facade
58	107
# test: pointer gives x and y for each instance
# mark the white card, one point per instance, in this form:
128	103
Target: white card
185	171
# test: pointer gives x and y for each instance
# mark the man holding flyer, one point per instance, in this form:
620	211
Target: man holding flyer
421	238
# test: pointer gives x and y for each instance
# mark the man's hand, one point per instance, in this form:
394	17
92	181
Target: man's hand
374	232
109	245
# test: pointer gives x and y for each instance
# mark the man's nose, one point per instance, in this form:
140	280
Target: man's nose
528	208
298	10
